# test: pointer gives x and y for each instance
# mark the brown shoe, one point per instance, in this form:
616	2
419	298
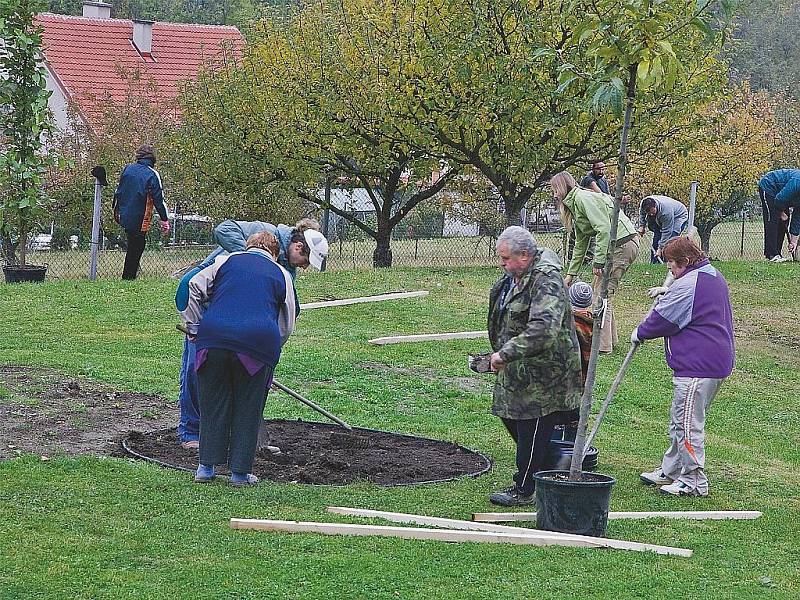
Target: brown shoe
192	445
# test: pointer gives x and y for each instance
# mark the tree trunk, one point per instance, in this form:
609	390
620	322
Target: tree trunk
705	238
23	245
513	215
576	467
513	205
382	256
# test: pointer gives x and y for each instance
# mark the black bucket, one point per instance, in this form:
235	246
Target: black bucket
559	456
564	432
579	507
27	274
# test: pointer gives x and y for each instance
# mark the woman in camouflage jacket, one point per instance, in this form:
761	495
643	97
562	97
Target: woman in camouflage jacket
536	355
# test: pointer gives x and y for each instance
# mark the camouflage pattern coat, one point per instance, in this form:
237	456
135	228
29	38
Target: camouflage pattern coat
531	326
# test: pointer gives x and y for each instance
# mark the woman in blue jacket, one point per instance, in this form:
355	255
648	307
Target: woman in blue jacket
240	312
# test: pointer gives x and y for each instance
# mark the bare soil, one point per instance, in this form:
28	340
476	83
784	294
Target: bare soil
318	453
47	413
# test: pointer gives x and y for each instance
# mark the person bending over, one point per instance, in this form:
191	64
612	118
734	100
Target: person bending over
590	215
298	247
240	312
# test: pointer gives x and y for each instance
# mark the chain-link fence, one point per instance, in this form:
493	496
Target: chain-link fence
429	238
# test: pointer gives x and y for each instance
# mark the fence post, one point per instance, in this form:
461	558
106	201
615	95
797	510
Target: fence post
99	174
741	247
175	224
692	205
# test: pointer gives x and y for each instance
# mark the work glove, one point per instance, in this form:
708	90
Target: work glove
635	336
164	227
655	292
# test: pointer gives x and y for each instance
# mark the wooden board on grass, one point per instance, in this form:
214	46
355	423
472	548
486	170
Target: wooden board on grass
499	517
505	529
429	337
415	533
363	299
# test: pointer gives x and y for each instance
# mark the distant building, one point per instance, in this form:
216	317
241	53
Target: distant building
88	57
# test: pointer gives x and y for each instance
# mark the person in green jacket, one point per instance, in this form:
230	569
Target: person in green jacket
536	355
589	213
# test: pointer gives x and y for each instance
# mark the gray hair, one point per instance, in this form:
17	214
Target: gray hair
518	239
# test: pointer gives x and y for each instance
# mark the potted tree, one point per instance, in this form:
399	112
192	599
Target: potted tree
636	60
25	124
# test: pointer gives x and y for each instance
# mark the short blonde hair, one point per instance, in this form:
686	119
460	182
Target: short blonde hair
264	240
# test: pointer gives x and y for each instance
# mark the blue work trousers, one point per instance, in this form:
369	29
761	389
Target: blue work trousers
188	398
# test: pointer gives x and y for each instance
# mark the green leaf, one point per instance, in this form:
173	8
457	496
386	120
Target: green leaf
642	70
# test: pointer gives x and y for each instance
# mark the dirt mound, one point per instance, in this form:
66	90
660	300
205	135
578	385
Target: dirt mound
318	453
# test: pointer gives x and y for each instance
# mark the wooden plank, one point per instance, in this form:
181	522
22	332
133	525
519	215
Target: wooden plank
435	521
415	533
473	526
364	299
689	514
500	517
429	337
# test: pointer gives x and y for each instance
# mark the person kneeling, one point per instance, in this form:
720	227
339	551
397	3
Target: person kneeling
250	314
694	317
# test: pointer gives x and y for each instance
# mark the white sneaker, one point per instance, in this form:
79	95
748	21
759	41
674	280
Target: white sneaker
779	259
679	488
656	477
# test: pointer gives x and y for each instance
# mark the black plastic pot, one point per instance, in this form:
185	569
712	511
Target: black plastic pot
559	456
579	507
26	274
564	432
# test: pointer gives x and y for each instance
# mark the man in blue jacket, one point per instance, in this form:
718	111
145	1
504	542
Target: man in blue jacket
780	191
138	192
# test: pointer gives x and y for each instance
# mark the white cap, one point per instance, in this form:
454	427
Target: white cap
318	247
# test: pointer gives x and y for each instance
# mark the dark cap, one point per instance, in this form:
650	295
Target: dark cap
146	151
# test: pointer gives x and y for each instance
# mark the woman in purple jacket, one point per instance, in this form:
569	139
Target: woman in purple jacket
695	319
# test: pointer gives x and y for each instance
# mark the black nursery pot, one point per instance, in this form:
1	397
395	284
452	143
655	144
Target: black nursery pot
579	507
26	274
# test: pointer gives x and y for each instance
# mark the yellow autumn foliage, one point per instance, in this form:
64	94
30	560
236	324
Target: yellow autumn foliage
726	156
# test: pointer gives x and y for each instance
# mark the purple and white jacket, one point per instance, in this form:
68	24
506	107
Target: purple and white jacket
695	319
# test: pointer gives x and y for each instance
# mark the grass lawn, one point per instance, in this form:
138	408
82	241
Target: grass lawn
112	528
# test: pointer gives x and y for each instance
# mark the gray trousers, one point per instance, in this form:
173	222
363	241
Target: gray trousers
231	410
685	459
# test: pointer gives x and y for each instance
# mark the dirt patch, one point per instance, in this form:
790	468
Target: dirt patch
47	413
318	453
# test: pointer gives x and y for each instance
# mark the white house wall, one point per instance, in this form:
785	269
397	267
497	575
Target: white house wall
57	103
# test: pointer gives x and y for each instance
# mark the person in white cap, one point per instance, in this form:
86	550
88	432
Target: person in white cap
300	246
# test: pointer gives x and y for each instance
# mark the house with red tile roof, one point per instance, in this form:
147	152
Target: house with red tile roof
91	58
